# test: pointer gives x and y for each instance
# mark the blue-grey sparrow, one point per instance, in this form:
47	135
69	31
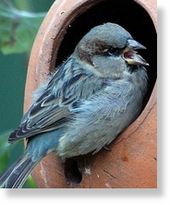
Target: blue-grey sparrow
86	103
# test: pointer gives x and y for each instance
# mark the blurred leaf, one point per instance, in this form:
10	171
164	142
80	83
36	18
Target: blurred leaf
17	28
30	183
9	153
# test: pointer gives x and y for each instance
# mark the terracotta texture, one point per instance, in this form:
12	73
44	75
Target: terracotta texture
132	161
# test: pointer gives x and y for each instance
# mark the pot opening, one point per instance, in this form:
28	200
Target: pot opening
128	14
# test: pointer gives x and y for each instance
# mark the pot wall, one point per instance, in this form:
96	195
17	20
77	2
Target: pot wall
132	159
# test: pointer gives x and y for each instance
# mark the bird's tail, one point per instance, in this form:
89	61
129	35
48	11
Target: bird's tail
17	174
36	149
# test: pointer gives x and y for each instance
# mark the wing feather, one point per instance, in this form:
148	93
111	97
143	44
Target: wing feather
69	85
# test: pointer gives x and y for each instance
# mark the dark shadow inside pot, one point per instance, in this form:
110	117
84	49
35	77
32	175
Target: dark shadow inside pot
72	172
128	14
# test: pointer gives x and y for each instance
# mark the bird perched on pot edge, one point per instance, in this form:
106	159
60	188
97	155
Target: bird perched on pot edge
94	95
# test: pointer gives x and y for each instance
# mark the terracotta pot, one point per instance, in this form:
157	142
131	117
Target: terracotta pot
132	159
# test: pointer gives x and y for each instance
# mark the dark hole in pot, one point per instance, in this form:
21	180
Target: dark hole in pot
128	14
72	172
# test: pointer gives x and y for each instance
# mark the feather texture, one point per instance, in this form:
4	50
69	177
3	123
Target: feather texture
69	86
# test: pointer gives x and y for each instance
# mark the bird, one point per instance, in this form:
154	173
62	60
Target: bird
95	94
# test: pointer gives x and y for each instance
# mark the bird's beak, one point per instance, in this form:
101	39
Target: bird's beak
135	45
130	54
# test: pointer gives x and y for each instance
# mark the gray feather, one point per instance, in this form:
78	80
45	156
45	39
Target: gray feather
96	126
53	109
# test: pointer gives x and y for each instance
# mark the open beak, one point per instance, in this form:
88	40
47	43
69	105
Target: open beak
130	54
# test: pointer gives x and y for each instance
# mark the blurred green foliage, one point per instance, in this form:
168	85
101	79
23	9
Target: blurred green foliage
9	153
17	28
19	23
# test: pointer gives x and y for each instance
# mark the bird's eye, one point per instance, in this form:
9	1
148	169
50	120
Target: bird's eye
112	51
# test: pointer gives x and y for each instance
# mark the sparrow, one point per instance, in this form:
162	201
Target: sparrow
86	103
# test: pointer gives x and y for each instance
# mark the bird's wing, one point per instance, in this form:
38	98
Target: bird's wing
53	109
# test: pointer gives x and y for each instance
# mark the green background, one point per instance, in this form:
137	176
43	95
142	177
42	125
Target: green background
13	69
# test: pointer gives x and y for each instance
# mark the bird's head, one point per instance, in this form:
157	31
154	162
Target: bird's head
109	48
